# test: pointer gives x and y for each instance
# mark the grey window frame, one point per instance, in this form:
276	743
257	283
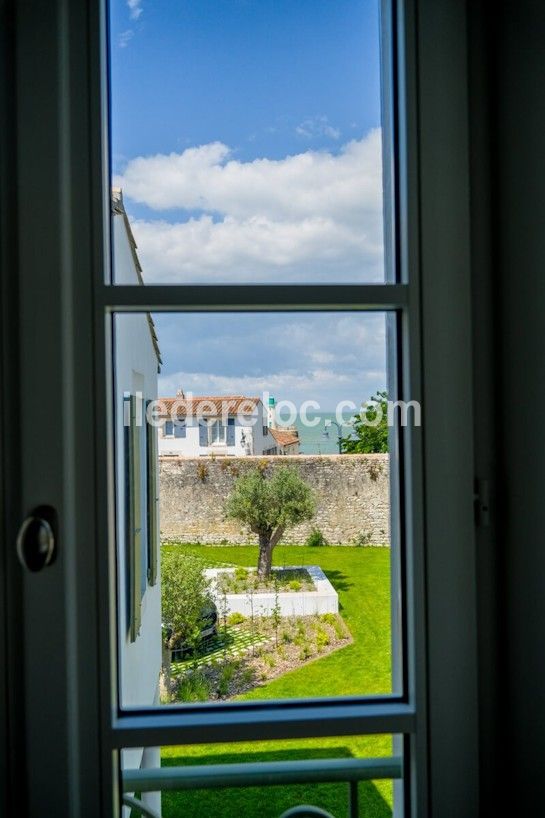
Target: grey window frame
429	116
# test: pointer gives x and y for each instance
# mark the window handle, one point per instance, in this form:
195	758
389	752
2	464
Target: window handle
36	540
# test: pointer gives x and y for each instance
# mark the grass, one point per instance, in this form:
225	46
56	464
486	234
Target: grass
361	577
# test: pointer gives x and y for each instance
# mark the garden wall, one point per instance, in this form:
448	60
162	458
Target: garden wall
352	493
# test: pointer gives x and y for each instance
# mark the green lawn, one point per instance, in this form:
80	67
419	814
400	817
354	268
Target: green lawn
361	577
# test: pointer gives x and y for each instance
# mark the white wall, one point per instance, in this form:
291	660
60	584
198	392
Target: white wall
189	445
136	369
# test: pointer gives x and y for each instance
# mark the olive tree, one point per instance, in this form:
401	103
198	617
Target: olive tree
269	506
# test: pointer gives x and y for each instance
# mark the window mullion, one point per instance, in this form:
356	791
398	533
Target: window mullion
197	298
281	721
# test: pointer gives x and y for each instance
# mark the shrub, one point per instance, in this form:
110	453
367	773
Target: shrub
305	652
202	471
316	538
241	574
226	677
295	585
286	637
194	687
269	660
329	618
363	538
322	639
185	591
235	618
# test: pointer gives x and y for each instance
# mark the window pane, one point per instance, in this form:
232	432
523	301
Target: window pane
368	797
246	140
275	531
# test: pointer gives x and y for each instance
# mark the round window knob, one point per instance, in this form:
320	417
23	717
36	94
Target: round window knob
36	539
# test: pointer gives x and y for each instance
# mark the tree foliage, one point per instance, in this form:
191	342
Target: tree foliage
269	506
185	592
367	438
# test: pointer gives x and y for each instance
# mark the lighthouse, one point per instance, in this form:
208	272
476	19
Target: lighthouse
271	413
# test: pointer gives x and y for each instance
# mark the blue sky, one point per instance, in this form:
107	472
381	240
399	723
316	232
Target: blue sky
246	138
242	72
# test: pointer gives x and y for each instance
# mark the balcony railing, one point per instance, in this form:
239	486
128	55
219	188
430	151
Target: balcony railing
261	774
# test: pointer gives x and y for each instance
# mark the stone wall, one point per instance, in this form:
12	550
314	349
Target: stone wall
352	493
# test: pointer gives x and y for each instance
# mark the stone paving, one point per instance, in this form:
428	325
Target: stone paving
233	642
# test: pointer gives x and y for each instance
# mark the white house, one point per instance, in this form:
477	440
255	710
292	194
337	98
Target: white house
222	425
137	363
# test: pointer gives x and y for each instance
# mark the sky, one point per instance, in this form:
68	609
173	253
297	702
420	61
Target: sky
245	135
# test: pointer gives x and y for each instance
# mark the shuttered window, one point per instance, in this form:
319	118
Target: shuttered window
133	438
180	429
230	431
152	502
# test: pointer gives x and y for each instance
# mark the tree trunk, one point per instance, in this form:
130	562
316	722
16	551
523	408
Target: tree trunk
275	539
264	563
165	681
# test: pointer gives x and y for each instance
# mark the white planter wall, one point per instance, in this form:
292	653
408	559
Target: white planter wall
292	603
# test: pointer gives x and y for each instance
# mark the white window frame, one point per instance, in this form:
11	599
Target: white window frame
215	438
69	610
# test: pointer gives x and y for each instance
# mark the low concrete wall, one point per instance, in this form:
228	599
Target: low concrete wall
291	603
352	495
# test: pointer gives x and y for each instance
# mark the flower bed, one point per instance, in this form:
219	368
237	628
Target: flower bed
250	654
316	596
246	580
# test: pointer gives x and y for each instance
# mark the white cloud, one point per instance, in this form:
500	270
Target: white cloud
253	249
135	8
326	386
311	216
125	37
344	186
319	356
317	126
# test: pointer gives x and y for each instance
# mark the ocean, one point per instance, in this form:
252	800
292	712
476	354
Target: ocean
312	438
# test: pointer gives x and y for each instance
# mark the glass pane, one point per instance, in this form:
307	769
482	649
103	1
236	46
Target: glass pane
369	797
246	140
257	539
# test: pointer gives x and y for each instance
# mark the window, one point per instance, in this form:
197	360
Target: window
426	260
230	432
332	319
168	428
216	433
180	428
